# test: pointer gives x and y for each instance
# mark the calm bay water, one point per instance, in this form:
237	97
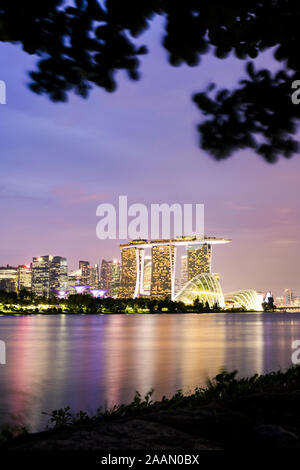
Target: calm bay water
88	361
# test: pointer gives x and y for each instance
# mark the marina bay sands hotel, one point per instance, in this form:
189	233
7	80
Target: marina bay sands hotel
163	264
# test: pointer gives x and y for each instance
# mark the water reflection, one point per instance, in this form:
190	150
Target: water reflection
88	361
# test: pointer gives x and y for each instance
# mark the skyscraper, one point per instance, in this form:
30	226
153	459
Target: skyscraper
110	277
198	259
163	268
183	271
49	274
147	275
58	275
85	271
115	278
93	278
41	275
105	276
24	279
132	268
289	297
163	276
8	278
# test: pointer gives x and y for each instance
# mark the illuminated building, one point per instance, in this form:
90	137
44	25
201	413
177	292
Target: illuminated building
74	278
198	259
163	267
115	278
8	278
289	297
183	271
110	277
163	271
58	275
147	275
205	287
41	275
132	272
280	301
247	299
24	278
105	275
84	266
93	279
49	274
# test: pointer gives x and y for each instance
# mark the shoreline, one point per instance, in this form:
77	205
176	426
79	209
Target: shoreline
258	412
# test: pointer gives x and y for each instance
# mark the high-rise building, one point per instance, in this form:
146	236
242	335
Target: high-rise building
24	278
115	278
183	271
105	276
132	268
49	275
41	275
147	275
163	275
8	278
74	278
58	275
289	297
163	268
110	277
93	279
198	259
85	271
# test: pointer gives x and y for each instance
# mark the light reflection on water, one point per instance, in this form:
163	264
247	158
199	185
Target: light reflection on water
88	361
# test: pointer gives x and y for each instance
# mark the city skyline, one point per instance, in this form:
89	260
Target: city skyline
59	161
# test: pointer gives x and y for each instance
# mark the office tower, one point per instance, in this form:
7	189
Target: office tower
93	279
58	275
289	297
24	278
41	275
105	276
198	259
147	275
85	271
49	275
163	274
110	277
134	274
8	278
115	278
183	271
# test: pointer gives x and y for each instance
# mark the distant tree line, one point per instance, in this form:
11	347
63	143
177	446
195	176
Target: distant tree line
83	44
85	303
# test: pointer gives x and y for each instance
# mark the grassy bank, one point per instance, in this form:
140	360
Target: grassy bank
261	411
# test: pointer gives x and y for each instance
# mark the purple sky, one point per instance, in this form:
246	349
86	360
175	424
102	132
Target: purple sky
59	161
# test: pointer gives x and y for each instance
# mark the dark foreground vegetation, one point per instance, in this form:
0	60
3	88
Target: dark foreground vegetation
247	413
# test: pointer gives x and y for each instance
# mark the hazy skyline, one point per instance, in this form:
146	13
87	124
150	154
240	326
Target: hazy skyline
59	161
